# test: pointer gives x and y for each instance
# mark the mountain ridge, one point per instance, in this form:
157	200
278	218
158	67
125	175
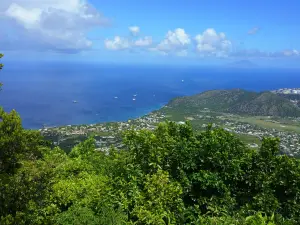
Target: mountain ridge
238	101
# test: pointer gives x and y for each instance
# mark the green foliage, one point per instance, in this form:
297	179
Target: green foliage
259	219
15	142
160	202
171	175
19	150
84	149
77	216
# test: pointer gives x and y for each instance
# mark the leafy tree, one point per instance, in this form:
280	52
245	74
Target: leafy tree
84	149
218	173
160	202
78	216
171	175
17	146
16	143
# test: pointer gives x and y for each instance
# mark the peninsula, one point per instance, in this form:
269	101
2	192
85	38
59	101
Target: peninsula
249	115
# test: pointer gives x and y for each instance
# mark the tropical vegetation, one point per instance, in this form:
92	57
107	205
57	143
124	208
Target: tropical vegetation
171	175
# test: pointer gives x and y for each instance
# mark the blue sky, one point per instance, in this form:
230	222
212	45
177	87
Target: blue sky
158	31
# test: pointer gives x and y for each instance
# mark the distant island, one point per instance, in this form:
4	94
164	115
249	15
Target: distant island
242	64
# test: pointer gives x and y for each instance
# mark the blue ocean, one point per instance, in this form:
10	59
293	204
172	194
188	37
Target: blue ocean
56	94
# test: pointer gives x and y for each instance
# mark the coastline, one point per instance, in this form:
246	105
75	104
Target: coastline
140	114
250	128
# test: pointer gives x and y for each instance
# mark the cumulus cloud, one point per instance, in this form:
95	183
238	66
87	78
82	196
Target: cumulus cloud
174	41
121	43
134	30
143	42
59	25
118	43
211	43
178	43
254	30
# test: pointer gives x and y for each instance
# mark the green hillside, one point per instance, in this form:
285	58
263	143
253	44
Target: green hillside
291	97
237	101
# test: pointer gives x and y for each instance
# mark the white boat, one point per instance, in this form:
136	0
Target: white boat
74	101
116	97
133	99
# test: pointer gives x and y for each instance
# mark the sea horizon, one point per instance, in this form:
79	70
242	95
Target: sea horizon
59	94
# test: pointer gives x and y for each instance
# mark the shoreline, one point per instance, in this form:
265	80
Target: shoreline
250	128
104	122
149	110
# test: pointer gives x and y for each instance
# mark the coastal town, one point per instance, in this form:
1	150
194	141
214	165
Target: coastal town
289	142
110	134
287	91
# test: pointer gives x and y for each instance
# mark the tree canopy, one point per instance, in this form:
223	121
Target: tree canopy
171	175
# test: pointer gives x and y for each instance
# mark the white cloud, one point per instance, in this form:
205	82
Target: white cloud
29	18
129	42
134	30
143	42
212	43
174	41
121	43
178	43
118	43
50	24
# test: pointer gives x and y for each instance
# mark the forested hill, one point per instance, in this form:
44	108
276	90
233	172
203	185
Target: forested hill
295	98
237	101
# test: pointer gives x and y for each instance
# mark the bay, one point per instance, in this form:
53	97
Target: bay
44	93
